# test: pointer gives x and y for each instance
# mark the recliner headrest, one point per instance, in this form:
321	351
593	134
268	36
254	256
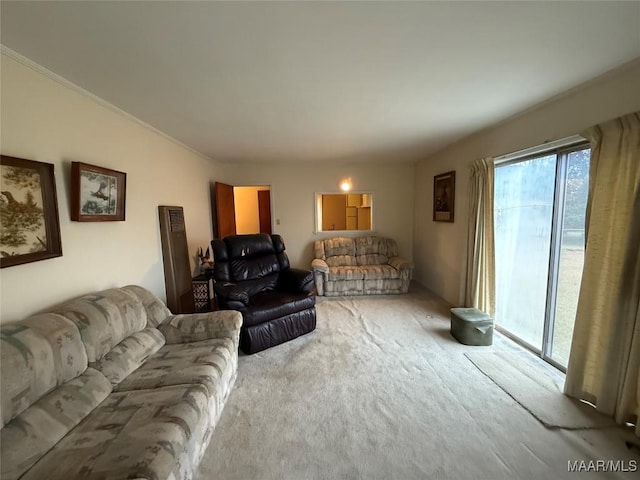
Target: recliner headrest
278	243
239	246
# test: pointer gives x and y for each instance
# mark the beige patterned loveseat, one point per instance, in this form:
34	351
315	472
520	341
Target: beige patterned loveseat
113	386
359	266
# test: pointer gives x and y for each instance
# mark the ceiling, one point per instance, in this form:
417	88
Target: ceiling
305	81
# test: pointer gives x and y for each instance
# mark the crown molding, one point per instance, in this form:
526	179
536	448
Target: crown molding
100	101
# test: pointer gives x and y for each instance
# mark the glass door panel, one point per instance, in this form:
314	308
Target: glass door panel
524	199
571	253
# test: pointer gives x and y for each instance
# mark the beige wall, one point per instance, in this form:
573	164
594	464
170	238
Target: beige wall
293	189
45	121
439	248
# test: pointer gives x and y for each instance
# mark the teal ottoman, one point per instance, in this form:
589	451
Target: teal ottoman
470	326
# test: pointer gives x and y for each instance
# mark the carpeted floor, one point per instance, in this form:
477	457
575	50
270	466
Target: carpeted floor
382	391
536	391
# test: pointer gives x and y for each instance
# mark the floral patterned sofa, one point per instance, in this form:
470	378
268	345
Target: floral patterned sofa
359	266
112	386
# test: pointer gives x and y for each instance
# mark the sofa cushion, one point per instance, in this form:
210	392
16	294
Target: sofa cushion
210	363
269	305
37	355
143	434
376	245
372	259
201	363
129	354
342	261
332	247
194	327
105	319
34	432
157	311
345	273
378	272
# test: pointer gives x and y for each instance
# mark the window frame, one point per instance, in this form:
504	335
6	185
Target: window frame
317	208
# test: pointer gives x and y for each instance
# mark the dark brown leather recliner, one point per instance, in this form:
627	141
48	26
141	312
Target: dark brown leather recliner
252	275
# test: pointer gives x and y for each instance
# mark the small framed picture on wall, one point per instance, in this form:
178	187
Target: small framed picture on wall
444	192
97	194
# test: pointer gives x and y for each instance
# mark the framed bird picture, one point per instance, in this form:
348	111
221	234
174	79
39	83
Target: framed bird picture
97	193
29	222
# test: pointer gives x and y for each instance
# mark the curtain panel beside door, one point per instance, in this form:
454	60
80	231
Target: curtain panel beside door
604	364
480	271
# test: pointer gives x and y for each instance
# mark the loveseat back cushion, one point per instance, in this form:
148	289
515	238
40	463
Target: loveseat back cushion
34	432
337	252
157	312
129	354
36	356
105	319
375	250
336	246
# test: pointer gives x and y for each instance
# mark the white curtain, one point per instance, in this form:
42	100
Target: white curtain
604	365
480	274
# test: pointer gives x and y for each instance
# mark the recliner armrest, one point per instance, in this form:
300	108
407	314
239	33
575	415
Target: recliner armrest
296	280
319	265
400	263
230	292
194	327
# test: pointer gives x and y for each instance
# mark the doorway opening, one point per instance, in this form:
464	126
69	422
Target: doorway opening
240	209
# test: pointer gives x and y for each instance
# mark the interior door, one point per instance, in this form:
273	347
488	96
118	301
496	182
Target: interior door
264	210
225	221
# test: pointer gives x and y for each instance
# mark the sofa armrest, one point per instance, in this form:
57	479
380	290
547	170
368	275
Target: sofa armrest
230	292
320	272
297	280
319	265
400	263
194	327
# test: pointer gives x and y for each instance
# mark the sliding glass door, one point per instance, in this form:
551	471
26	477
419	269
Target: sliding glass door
570	251
523	219
540	206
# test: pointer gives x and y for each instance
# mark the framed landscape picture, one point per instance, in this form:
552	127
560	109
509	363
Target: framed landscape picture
444	192
29	221
97	194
